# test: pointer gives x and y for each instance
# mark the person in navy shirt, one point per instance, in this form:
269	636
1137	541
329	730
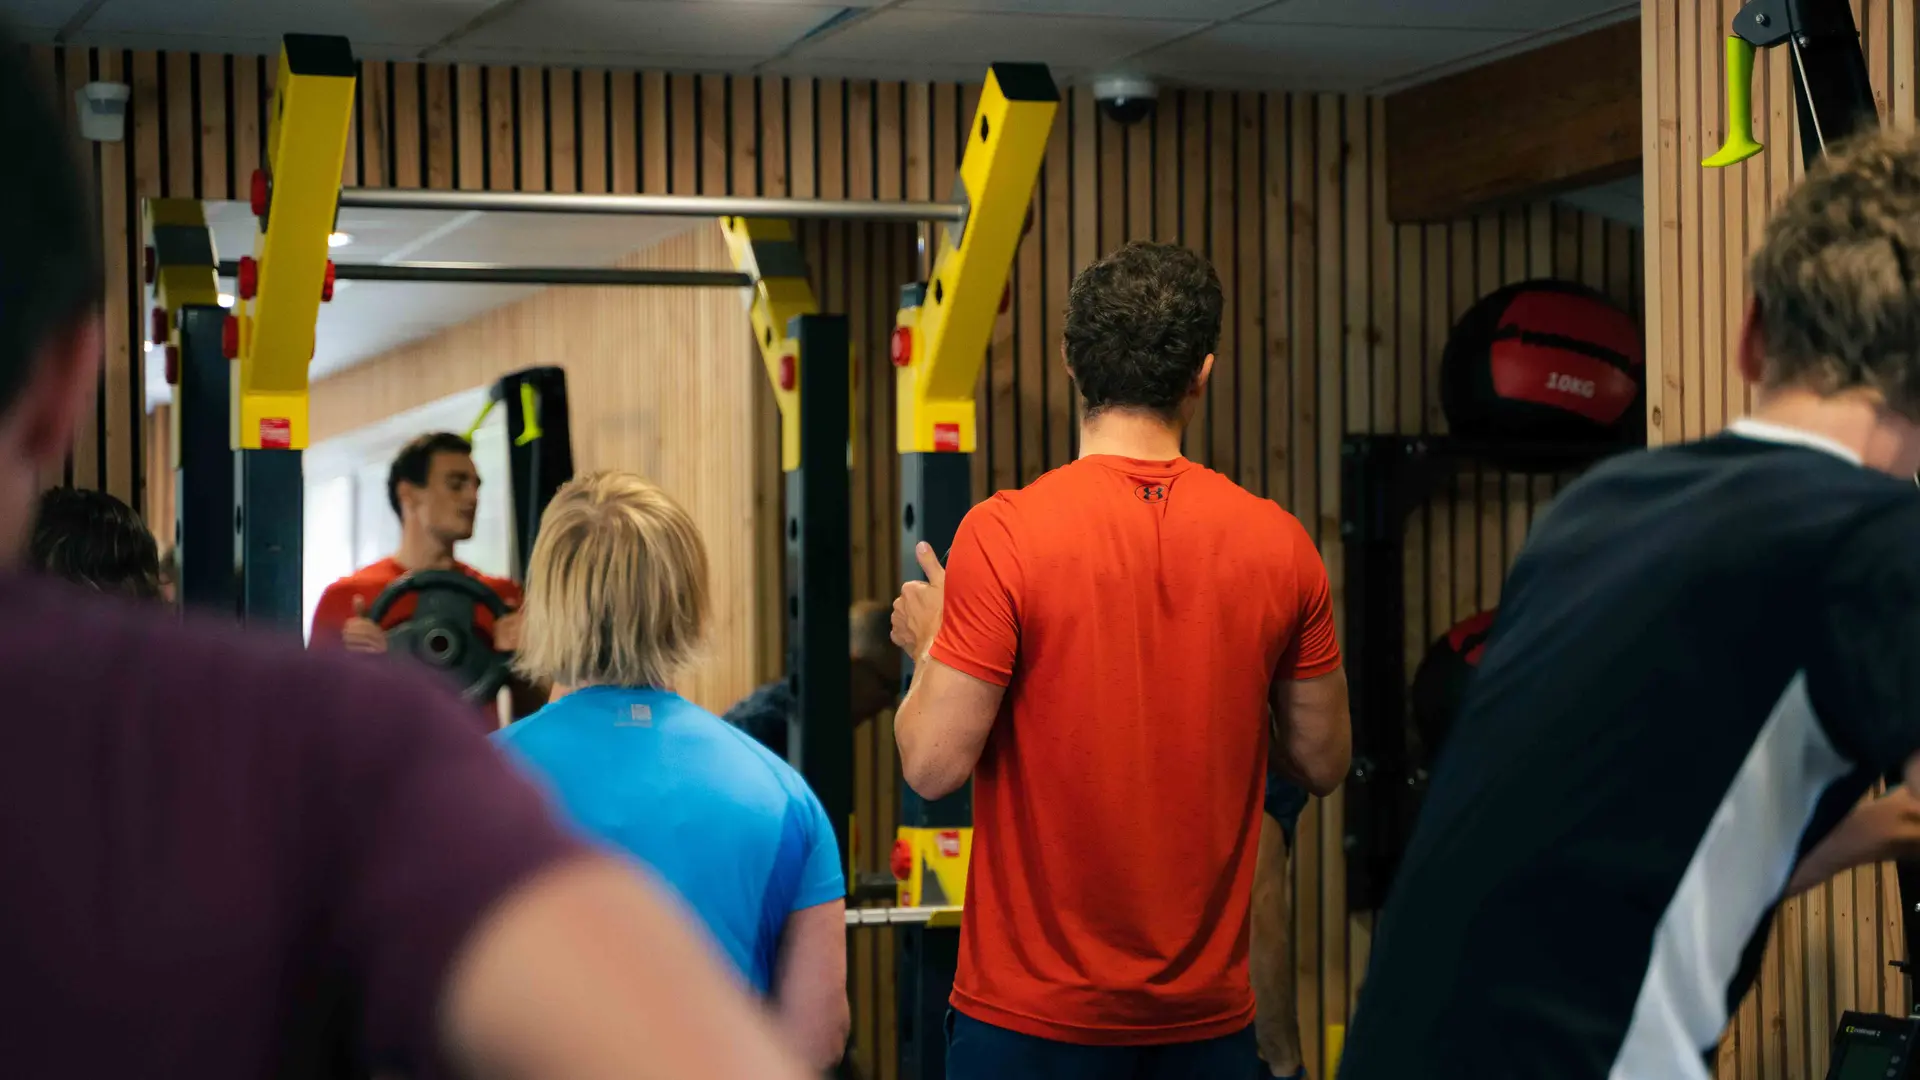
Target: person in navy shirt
617	607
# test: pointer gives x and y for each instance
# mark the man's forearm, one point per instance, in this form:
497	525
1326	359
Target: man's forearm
1878	830
1277	1024
909	724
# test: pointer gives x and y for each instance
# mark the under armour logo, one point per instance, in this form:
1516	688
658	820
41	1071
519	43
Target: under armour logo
1152	493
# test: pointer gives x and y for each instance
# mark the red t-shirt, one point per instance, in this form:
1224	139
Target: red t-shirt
1138	613
330	615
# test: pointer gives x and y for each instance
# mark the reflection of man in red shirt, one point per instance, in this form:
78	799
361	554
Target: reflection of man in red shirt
435	489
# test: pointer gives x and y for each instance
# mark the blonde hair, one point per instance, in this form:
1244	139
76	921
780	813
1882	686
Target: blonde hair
617	587
1837	280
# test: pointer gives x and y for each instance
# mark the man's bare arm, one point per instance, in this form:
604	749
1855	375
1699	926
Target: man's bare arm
942	727
1312	737
1876	831
585	973
810	983
1276	1019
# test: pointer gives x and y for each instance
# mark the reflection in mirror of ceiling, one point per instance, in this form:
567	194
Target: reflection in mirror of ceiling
367	318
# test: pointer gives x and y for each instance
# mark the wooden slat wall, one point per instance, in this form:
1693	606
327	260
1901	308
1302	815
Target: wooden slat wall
1335	320
1830	947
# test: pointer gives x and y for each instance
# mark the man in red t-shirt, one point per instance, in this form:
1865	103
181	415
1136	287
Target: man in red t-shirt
1110	653
434	488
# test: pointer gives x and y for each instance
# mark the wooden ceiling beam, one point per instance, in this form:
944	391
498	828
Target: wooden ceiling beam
1560	117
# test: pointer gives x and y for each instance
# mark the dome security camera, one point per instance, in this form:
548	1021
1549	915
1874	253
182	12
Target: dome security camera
1126	99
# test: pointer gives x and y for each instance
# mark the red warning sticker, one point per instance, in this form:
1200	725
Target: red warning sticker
276	433
946	436
949	842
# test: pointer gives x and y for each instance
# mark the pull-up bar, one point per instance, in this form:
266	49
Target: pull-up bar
462	273
708	206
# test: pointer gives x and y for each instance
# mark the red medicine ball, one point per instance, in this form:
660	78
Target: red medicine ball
1440	683
1545	361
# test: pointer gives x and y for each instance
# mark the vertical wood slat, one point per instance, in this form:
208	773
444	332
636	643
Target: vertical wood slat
376	125
1220	416
440	130
501	122
655	145
623	145
409	148
563	148
1250	346
212	128
531	129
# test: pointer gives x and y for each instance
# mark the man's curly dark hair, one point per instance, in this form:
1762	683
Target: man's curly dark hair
1140	323
94	539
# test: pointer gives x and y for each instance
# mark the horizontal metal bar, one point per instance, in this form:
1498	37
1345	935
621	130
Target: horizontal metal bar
534	202
893	916
457	273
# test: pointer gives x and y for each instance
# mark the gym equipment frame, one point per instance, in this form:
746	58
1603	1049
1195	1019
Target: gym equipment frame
187	324
1384	479
940	340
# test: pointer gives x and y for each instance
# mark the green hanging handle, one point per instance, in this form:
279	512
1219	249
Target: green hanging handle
481	419
1740	144
529	415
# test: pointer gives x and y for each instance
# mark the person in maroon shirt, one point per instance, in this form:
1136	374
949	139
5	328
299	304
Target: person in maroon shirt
226	858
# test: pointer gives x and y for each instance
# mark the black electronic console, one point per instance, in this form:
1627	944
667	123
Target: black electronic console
1869	1046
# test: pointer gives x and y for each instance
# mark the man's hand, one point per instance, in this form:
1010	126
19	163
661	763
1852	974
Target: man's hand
1877	830
506	633
916	615
361	634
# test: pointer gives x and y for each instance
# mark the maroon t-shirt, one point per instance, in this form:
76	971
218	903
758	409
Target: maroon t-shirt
225	857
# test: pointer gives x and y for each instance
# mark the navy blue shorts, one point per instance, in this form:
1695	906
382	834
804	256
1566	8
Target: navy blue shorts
1285	801
981	1051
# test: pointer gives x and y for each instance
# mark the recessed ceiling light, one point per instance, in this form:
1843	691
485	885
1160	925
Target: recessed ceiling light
339	239
226	300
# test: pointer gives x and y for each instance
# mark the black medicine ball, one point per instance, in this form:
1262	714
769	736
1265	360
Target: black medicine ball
1440	683
1545	361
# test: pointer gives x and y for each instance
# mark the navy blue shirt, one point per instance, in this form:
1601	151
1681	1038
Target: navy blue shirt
1702	654
764	715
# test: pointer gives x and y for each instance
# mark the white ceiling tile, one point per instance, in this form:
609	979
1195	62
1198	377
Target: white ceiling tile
26	16
1314	57
834	5
209	41
654	27
415	23
617	60
1443	14
901	70
1186	10
1070	41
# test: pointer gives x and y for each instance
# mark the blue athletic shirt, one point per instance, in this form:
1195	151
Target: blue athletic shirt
729	826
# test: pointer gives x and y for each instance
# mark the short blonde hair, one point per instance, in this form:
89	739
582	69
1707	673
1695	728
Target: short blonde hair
1837	280
617	587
